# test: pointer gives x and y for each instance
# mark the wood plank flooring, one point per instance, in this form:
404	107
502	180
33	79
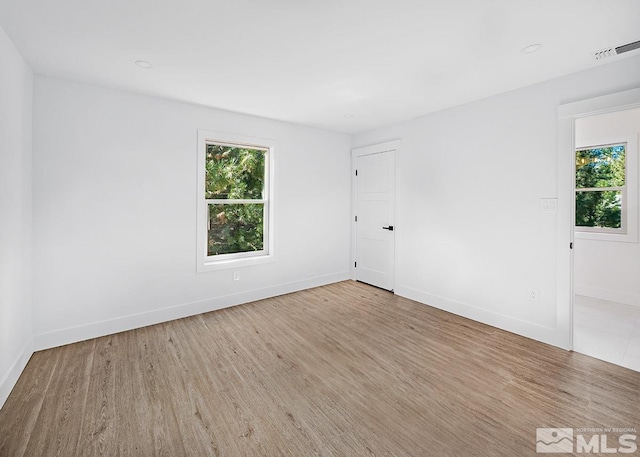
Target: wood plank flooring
340	370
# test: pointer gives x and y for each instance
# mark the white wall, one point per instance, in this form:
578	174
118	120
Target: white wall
16	89
609	270
471	237
115	211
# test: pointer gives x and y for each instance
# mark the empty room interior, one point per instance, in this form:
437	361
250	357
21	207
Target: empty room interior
382	228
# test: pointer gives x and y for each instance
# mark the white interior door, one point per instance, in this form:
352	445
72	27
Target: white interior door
375	215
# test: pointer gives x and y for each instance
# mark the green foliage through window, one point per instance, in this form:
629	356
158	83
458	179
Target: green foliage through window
600	181
236	228
235	190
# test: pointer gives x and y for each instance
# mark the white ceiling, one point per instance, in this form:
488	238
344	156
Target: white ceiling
345	65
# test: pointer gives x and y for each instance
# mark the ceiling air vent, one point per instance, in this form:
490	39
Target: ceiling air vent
614	51
604	53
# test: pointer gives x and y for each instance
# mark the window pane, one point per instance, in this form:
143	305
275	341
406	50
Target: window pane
599	209
235	228
600	167
234	172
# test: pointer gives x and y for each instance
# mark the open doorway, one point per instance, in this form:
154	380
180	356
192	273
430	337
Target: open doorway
568	115
606	313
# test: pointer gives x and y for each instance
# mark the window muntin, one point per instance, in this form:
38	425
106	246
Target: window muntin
236	196
601	188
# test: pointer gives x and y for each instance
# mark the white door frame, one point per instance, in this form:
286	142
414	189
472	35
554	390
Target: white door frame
355	153
567	114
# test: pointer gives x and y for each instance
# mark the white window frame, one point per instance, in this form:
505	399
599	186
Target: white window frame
628	232
206	262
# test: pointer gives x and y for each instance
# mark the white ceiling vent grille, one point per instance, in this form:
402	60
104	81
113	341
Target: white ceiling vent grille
604	53
614	51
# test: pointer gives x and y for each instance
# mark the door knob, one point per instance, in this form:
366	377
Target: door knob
390	228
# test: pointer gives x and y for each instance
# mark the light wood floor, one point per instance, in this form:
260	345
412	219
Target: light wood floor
344	370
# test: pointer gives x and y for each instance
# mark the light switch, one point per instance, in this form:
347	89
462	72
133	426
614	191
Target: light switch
549	205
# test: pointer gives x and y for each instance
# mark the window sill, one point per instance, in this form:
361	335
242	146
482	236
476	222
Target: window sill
599	236
216	265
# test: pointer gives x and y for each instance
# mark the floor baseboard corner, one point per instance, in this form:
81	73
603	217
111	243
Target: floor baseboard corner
11	377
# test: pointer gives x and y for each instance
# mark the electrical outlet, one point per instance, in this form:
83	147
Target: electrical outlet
236	276
534	295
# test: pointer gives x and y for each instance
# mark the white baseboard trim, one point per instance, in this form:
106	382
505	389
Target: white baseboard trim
9	380
537	332
108	327
607	294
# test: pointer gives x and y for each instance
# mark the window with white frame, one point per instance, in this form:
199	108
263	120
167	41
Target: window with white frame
601	189
234	199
